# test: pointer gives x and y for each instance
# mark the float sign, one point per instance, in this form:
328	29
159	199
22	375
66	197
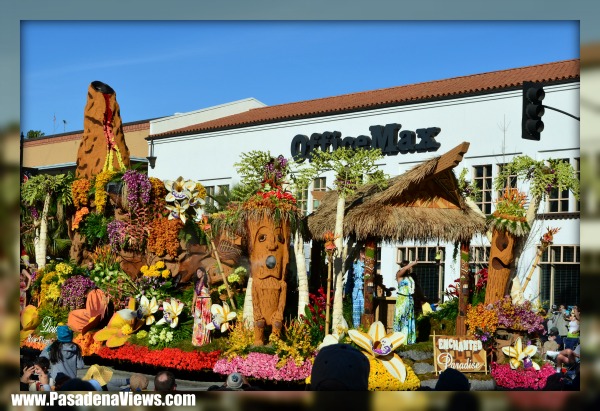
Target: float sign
465	354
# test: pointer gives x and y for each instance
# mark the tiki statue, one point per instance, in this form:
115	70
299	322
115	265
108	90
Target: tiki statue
269	256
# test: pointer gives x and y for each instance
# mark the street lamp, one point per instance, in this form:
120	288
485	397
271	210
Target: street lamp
151	158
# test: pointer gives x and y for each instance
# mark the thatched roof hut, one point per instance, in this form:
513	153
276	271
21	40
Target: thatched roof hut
422	204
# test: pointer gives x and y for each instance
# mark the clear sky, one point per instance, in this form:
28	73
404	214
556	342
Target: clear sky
160	68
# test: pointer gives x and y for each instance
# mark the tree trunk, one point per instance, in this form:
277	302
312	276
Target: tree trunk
41	240
248	314
520	242
501	259
338	307
463	292
369	315
301	272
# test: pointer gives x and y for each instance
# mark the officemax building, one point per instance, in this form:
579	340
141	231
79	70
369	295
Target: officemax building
411	124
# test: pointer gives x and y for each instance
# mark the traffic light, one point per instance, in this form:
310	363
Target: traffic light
533	110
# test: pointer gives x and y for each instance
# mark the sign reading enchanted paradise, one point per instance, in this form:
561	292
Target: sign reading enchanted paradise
465	354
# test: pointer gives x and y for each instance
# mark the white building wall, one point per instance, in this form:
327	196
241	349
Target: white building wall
491	124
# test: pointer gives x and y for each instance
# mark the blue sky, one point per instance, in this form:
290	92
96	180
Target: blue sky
160	68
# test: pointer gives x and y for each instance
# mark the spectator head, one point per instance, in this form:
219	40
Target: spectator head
235	380
41	365
138	382
77	384
165	381
60	380
452	380
553	332
340	367
64	334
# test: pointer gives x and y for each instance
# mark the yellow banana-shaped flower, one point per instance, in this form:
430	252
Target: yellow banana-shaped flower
221	317
517	354
380	346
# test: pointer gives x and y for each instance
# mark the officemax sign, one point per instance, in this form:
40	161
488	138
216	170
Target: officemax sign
388	138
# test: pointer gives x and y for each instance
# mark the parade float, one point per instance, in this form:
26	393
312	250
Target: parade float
155	278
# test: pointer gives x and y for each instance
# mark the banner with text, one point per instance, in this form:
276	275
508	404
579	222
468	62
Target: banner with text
465	354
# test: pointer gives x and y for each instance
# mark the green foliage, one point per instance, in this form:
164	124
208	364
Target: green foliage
467	188
94	228
251	169
543	175
31	134
56	312
38	187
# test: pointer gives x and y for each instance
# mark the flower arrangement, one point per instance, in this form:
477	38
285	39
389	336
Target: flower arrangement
277	199
275	170
73	291
52	281
482	279
163	237
159	337
171	358
521	378
510	213
116	234
314	316
87	344
329	238
157	269
481	322
138	190
521	317
221	316
241	338
79	192
264	366
297	347
184	196
79	214
381	380
102	179
171	311
36	345
153	287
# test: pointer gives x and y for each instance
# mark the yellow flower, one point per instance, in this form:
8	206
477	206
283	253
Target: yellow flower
160	264
380	346
166	273
517	354
126	329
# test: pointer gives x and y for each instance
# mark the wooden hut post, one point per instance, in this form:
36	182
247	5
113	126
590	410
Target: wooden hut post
368	316
463	294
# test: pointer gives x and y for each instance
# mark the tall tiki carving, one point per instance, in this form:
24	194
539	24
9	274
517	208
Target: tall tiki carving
268	243
103	137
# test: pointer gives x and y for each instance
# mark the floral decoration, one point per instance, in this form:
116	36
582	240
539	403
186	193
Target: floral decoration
73	291
264	366
29	321
221	315
163	237
481	321
119	329
381	380
521	317
79	214
171	312
185	195
380	346
87	343
510	213
521	378
329	237
171	358
521	356
79	192
297	347
146	309
102	179
138	190
157	269
314	316
160	336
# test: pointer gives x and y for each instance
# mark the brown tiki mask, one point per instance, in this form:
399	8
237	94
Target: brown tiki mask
269	256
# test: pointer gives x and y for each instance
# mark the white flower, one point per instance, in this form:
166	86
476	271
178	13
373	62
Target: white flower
147	309
221	317
171	312
517	354
178	209
178	189
381	346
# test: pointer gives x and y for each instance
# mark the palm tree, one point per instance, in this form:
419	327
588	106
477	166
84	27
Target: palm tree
349	166
44	189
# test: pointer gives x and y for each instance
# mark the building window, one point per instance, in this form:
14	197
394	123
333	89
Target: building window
223	189
319	184
558	200
479	258
302	200
210	193
483	180
428	272
510	182
559	275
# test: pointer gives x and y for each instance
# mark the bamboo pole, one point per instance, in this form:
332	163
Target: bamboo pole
533	267
229	293
328	301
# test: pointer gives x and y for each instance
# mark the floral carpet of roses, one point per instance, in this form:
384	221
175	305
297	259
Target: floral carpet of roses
165	358
521	378
264	366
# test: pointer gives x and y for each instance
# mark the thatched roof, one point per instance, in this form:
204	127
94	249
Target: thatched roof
422	204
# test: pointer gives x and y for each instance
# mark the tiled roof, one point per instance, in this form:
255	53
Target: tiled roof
435	90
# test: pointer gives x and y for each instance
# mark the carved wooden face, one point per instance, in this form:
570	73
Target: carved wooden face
269	250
